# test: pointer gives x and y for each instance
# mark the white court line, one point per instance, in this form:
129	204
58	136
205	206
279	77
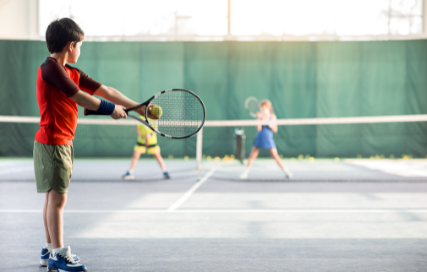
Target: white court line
234	211
189	192
13	170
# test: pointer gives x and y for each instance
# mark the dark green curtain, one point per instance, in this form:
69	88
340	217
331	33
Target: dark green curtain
302	79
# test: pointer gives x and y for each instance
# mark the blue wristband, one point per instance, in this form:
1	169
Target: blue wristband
106	107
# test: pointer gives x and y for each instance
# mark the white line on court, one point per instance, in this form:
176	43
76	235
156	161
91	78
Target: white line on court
235	211
189	192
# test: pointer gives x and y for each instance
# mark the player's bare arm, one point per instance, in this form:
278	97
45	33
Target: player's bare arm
273	124
87	101
117	97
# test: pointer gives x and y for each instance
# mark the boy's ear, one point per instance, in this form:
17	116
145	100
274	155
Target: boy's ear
70	46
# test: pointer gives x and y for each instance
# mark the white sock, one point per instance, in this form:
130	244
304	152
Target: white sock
130	172
247	170
48	246
56	250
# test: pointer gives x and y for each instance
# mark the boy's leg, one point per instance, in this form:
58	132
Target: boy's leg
46	229
44	256
55	211
135	158
160	161
155	151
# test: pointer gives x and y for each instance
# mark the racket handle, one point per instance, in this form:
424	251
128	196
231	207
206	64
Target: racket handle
92	112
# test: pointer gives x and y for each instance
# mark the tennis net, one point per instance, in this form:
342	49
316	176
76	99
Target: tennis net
379	148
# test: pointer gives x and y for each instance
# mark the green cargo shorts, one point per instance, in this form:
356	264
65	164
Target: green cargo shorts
53	166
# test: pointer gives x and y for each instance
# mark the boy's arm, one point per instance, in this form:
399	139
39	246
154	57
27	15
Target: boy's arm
138	130
87	101
117	97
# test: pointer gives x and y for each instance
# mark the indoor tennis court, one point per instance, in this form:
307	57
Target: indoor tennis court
295	138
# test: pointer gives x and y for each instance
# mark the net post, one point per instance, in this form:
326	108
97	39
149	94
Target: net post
199	147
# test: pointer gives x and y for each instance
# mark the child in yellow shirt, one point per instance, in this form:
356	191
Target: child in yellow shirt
147	143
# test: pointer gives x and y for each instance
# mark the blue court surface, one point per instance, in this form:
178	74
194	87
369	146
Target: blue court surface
223	225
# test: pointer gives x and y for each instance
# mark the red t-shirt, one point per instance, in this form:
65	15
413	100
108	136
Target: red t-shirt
58	112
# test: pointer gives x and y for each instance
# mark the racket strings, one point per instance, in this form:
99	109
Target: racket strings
182	113
252	106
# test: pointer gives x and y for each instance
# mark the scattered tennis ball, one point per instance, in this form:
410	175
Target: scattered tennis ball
186	158
208	158
217	159
311	159
156	111
300	157
392	156
170	157
336	159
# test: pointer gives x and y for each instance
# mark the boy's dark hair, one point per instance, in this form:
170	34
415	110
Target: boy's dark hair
62	31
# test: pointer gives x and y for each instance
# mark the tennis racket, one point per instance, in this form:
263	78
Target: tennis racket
252	106
182	113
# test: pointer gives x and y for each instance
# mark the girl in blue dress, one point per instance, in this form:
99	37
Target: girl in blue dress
264	139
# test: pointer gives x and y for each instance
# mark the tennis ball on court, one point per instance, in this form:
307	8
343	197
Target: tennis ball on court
156	111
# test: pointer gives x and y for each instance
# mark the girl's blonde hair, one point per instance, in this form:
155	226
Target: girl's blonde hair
267	103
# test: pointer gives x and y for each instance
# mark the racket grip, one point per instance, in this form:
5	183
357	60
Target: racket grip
92	112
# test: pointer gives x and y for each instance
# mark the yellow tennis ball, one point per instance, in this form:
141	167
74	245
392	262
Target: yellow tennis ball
156	111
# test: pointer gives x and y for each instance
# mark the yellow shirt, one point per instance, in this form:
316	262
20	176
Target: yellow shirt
144	130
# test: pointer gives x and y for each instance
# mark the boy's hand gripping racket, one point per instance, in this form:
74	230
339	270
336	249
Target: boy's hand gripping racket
181	113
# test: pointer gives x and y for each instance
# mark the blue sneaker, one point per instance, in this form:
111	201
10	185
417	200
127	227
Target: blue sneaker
166	175
63	261
128	175
45	256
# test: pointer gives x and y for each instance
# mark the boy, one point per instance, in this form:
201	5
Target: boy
147	142
58	93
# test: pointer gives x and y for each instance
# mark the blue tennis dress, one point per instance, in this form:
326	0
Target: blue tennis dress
264	138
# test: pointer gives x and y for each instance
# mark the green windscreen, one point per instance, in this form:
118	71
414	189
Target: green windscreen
301	79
